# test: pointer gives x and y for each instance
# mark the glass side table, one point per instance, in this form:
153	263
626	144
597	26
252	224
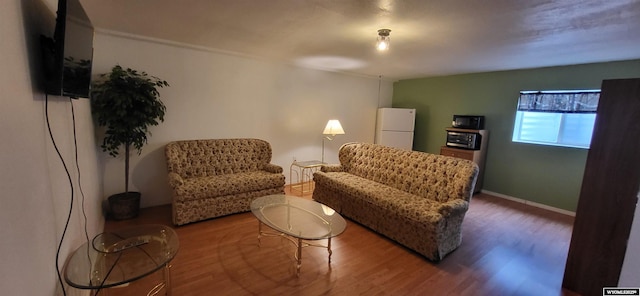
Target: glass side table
115	258
301	174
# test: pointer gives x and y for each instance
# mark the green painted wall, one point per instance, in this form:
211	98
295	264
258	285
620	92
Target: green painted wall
542	174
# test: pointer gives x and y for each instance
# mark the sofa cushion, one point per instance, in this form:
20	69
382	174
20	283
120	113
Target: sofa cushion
376	195
202	158
229	184
428	175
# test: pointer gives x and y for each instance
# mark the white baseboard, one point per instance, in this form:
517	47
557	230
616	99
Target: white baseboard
527	202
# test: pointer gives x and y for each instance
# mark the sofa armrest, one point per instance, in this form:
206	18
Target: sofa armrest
331	168
453	208
272	168
175	180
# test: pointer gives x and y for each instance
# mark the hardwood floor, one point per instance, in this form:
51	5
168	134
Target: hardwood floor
508	248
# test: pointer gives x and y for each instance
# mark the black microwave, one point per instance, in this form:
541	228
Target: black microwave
464	140
475	122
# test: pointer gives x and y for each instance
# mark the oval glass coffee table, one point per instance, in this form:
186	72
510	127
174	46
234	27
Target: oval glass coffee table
302	221
118	257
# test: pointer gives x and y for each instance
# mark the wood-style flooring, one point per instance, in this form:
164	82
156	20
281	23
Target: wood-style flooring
508	248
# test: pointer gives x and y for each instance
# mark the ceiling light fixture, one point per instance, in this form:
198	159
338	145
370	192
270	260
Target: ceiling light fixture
383	39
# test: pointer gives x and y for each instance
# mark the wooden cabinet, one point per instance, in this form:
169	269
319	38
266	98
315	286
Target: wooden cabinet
477	156
459	153
609	192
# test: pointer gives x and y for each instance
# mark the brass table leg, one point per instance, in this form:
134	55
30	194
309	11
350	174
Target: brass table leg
299	243
166	272
167	278
329	249
259	231
299	256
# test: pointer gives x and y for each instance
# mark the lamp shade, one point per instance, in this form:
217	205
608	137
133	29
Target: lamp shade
333	128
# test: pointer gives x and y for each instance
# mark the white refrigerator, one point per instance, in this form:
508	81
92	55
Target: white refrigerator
394	127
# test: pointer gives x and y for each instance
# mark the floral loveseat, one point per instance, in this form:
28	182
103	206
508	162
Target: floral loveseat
212	178
415	198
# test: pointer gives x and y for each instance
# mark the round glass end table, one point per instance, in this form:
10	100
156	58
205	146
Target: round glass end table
118	257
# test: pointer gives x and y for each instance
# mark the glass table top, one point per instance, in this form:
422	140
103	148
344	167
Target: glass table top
121	256
309	163
298	217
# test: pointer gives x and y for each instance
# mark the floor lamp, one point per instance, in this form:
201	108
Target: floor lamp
332	129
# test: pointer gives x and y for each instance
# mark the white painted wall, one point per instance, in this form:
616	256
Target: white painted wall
215	95
630	274
35	198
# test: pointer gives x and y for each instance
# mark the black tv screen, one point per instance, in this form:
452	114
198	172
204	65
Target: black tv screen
68	56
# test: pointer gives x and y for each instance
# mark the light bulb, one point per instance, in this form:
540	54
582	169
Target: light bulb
383	39
383	44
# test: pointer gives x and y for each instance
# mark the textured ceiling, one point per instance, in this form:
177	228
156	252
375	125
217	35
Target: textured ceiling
428	38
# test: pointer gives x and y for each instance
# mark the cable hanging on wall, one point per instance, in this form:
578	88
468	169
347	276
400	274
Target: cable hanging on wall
66	225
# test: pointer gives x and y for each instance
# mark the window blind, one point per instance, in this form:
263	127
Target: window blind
559	102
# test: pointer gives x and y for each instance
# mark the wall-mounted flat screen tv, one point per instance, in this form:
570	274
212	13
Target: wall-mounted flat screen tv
67	57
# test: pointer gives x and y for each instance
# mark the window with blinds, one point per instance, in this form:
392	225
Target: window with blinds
558	118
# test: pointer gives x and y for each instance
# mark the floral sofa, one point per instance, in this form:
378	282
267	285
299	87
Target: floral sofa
217	177
417	199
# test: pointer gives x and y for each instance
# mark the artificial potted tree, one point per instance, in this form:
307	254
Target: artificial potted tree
126	103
